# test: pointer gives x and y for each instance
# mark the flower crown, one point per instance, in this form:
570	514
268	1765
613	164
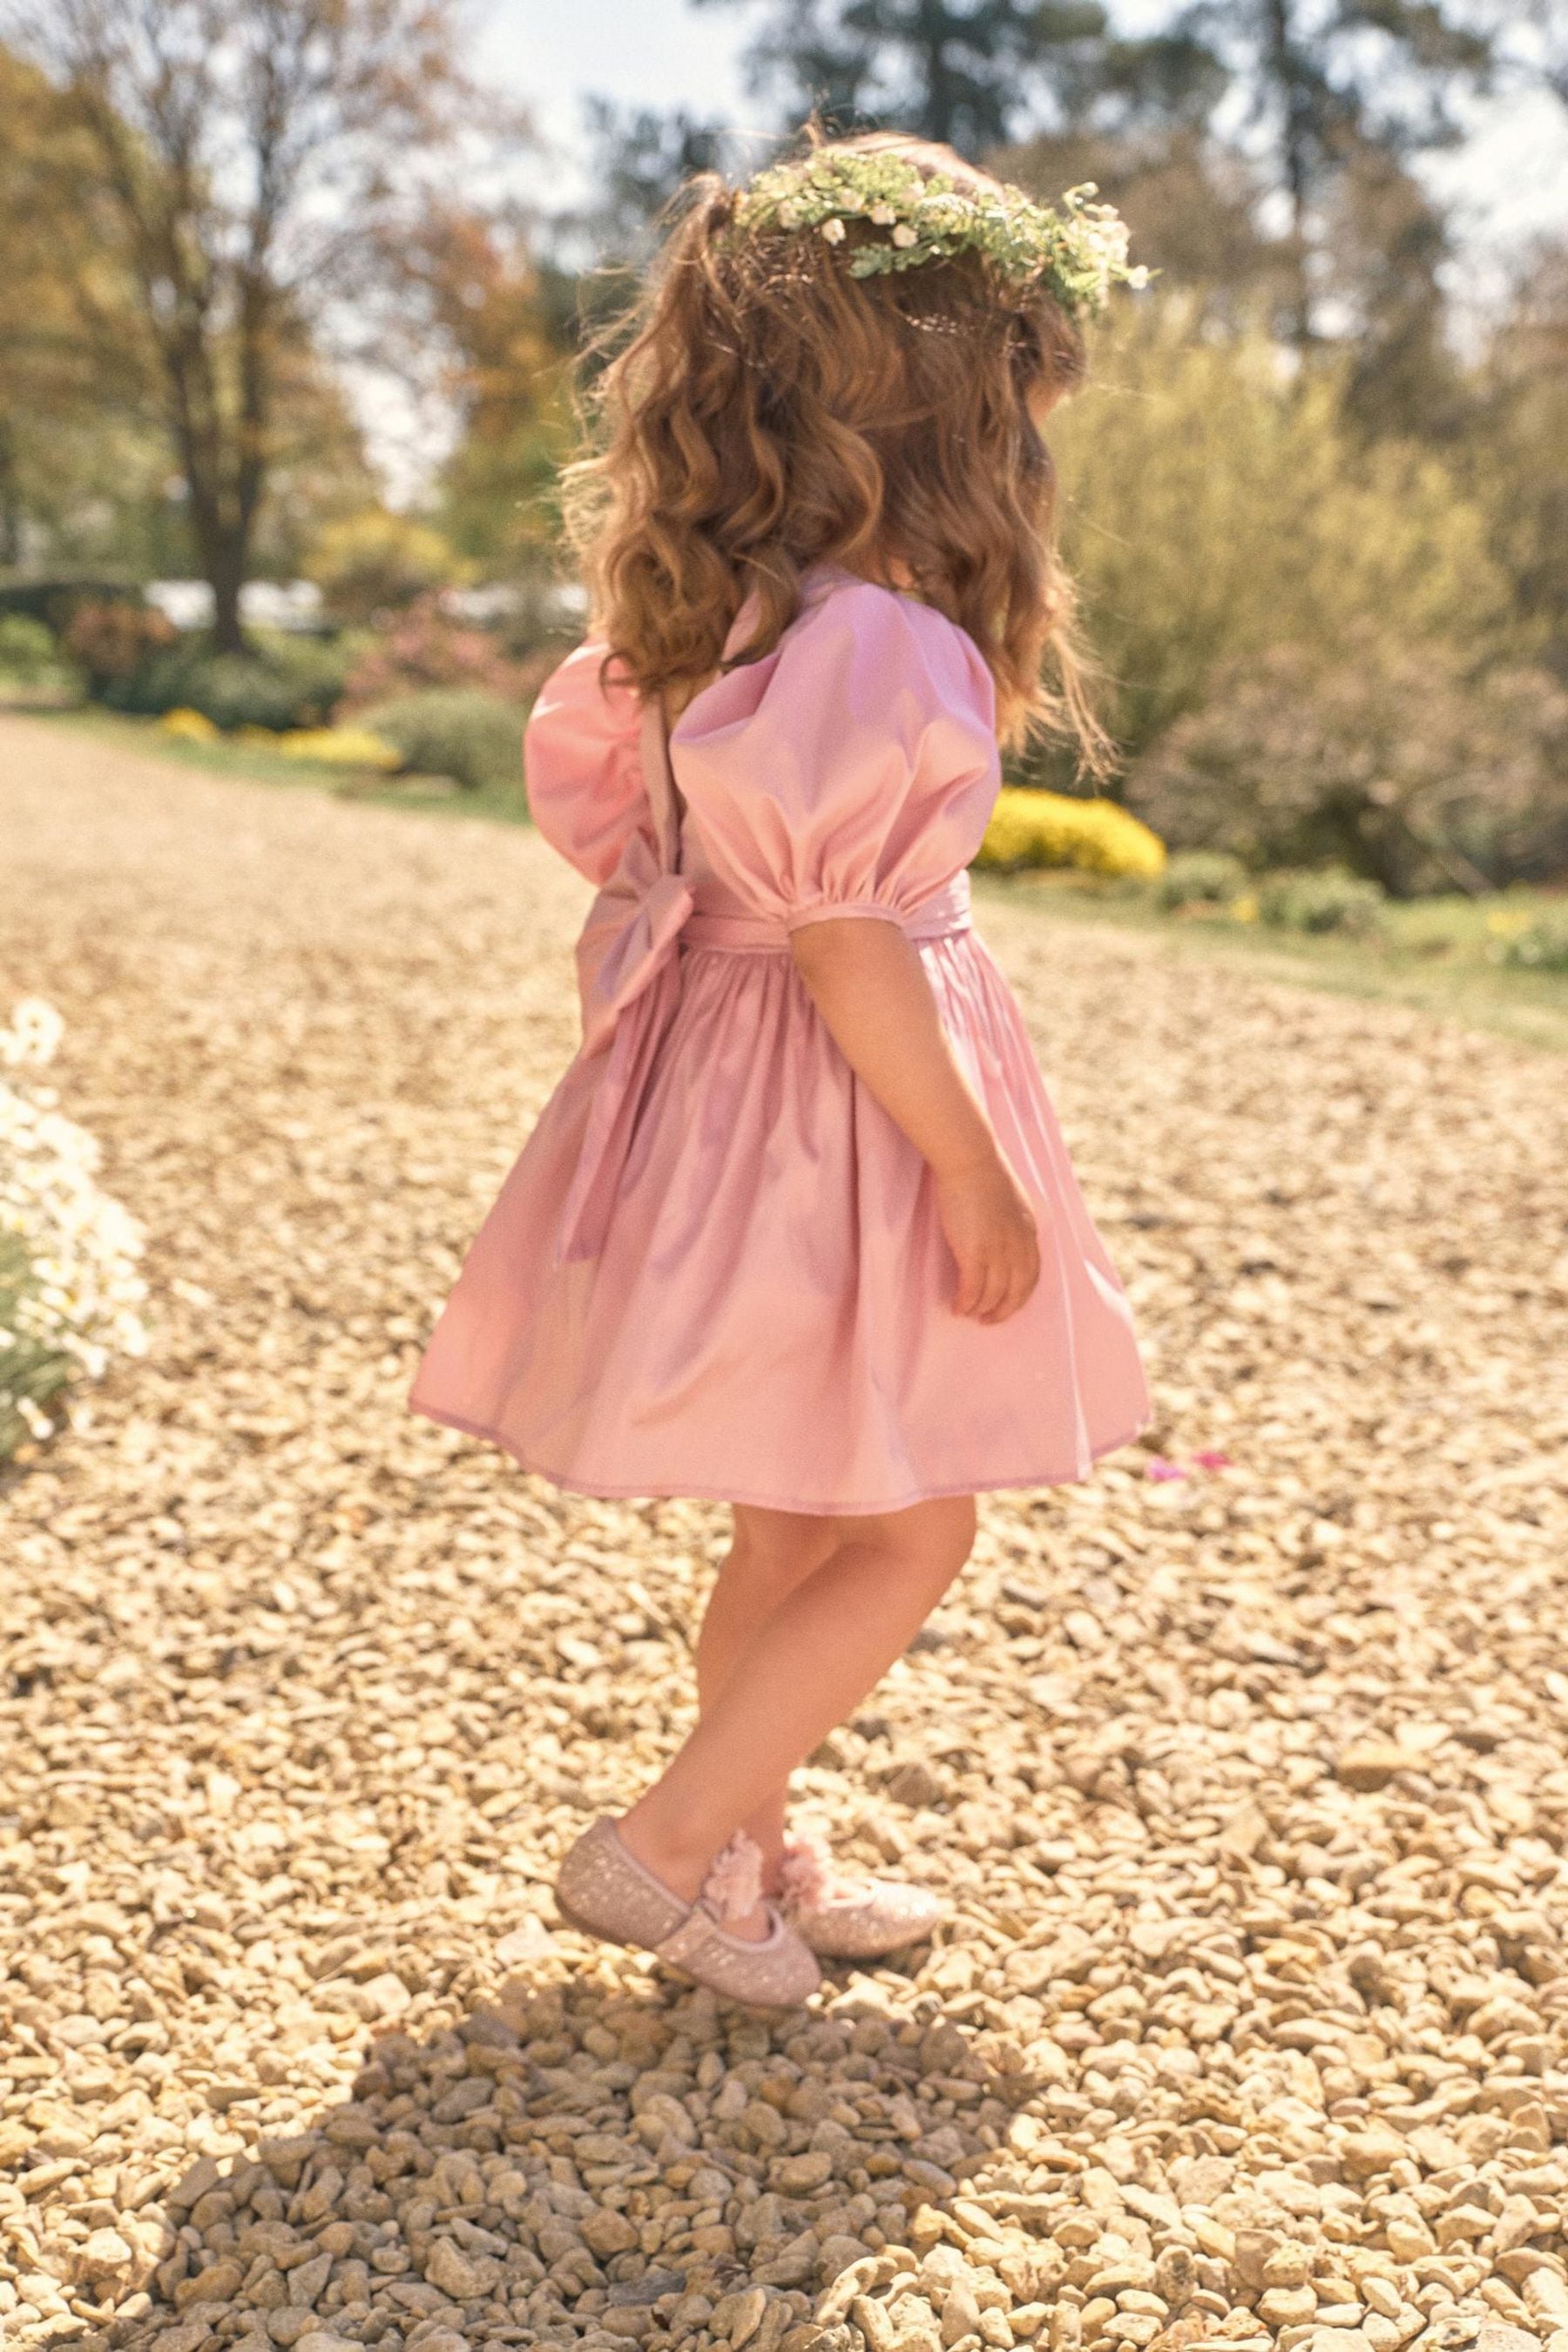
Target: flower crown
1078	253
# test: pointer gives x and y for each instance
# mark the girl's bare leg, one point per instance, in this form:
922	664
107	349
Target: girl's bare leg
827	1643
770	1554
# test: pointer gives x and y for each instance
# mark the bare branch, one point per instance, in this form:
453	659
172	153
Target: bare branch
256	166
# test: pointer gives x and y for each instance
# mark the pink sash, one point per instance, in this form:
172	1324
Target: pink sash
628	981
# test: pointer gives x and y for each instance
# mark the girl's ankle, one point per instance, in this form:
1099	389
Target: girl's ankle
683	1871
679	1870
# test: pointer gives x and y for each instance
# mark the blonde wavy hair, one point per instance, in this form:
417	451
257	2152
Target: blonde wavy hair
766	412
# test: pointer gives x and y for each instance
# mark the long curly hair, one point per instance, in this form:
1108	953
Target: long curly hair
766	412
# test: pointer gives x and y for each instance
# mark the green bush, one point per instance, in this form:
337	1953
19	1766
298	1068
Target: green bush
315	668
1200	877
55	598
475	739
282	683
374	563
1216	505
1331	901
231	689
27	652
424	651
1398	762
1544	947
112	640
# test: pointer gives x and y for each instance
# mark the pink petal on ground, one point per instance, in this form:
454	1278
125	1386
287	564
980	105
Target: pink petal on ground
1210	1459
1163	1470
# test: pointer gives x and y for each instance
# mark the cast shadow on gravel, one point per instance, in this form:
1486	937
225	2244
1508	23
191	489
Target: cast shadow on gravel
580	2160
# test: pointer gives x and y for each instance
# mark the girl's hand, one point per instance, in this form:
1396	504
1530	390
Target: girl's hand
870	987
990	1229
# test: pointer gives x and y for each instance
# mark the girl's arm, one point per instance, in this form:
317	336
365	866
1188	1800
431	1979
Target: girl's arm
866	979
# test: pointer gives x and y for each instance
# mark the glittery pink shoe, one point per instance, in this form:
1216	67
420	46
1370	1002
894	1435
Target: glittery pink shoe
604	1890
847	1918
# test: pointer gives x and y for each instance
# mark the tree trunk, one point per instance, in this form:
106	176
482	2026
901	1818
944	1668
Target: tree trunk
1282	68
937	111
228	636
10	503
222	553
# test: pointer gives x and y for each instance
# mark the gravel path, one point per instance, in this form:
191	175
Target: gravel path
1249	1786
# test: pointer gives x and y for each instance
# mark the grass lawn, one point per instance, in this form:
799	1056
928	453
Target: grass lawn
259	765
1440	955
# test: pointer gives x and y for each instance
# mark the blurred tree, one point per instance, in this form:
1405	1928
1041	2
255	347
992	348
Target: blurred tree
1216	503
85	474
1385	248
1321	84
252	170
1531	39
1329	84
1193	205
638	158
319	469
959	70
508	327
1512	453
374	562
60	417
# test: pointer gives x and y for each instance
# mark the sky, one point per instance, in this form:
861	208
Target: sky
660	53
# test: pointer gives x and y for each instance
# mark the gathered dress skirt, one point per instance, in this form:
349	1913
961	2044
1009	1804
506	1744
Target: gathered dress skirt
766	1317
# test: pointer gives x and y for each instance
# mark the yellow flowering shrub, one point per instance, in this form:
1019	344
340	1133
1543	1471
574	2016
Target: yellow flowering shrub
1541	945
340	747
187	726
1031	828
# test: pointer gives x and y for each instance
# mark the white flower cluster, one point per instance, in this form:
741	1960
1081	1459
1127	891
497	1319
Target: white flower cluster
1078	251
69	1294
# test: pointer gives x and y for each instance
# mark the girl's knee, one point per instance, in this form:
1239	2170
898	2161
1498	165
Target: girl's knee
781	1546
933	1539
945	1535
966	1520
953	1533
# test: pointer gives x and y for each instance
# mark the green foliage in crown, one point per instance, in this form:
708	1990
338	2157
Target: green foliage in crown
1076	252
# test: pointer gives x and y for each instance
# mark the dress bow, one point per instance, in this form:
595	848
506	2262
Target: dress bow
630	984
630	935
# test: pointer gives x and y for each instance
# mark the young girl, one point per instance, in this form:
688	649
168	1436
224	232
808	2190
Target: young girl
797	1231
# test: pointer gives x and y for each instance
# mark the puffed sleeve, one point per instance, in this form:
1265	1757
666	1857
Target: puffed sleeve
583	765
851	771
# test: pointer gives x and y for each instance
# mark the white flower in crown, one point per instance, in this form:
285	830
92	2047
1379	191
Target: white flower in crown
1106	238
1076	251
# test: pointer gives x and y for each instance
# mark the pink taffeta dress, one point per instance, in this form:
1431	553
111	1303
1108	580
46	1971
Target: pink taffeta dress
717	1270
